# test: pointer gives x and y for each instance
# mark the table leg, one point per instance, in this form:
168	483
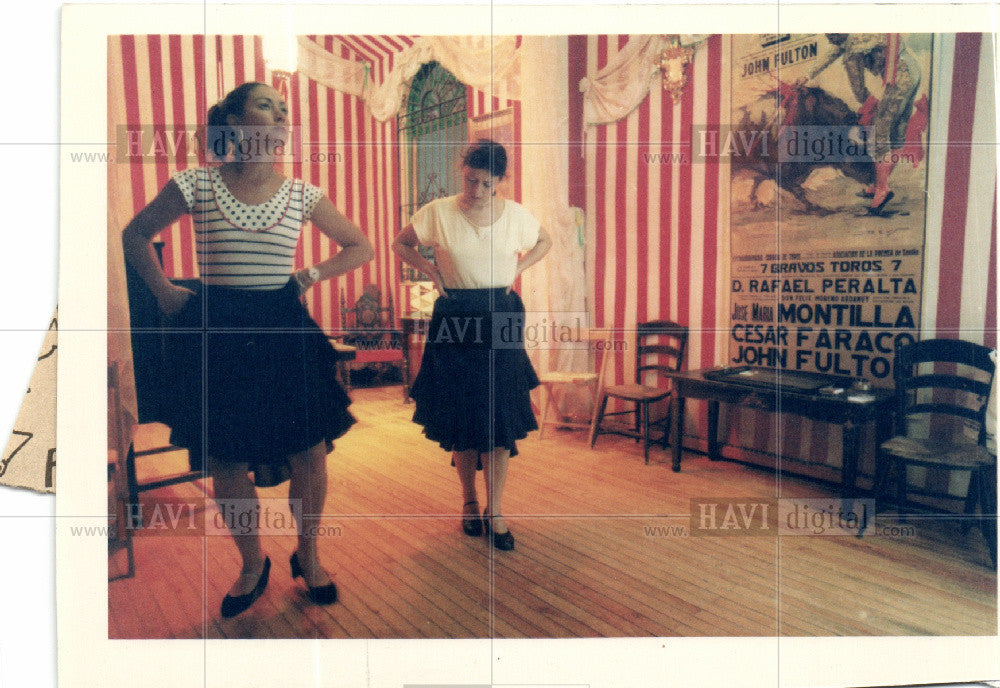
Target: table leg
851	449
849	460
678	433
645	428
713	430
406	373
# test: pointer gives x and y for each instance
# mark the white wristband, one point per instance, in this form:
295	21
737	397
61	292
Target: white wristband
310	278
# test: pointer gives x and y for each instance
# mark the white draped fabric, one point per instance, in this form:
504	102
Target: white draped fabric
323	67
488	63
616	90
556	288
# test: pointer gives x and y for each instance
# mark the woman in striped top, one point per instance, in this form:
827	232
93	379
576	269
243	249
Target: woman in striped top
253	386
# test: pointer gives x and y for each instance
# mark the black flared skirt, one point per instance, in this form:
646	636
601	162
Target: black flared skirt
251	378
475	376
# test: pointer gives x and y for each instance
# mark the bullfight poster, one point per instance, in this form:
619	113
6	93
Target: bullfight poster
828	157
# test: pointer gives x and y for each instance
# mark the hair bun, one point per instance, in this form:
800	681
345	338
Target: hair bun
486	154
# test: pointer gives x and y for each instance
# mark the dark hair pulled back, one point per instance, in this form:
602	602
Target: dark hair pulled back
220	132
487	155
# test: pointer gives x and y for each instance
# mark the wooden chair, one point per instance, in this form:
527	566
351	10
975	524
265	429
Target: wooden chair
660	348
986	480
370	329
942	387
119	446
124	487
598	341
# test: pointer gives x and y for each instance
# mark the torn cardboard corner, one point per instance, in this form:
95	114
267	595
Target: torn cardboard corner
29	460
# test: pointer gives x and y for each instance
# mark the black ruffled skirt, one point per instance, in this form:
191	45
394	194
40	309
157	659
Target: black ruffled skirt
251	378
472	388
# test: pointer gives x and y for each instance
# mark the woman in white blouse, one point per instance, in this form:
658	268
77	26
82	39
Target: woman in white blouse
252	377
472	390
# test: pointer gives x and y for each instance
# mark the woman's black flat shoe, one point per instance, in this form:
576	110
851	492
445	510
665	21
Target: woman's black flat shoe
321	594
472	524
233	605
502	541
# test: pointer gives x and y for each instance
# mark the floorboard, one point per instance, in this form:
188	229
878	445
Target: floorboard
604	549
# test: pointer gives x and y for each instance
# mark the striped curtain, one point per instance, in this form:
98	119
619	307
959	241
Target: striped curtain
655	222
658	245
959	297
170	81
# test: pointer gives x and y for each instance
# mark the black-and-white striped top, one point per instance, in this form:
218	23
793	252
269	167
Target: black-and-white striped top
240	245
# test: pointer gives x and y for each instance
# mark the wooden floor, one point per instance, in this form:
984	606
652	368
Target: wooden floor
603	549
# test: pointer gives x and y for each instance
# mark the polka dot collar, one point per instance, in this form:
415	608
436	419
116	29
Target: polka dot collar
254	218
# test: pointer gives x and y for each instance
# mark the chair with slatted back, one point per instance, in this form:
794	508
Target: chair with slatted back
660	348
552	380
942	387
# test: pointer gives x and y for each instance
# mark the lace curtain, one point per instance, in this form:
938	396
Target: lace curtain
493	65
490	64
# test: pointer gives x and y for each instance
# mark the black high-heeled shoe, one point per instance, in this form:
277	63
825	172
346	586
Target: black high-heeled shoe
321	594
237	604
502	541
472	524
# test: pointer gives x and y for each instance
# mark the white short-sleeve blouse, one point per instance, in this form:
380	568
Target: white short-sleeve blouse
472	257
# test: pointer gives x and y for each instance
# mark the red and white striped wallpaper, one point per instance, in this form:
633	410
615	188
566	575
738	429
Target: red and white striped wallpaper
656	235
173	80
959	298
657	222
658	240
